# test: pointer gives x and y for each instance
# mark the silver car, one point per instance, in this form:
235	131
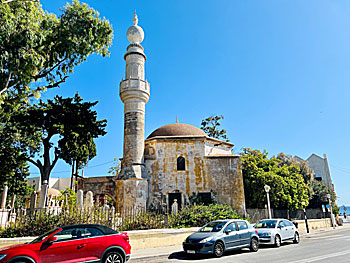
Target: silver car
219	236
276	231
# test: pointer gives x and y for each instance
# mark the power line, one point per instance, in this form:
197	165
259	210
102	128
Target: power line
341	169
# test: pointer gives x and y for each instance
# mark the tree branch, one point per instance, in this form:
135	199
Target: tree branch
37	163
39	76
7	84
9	1
54	85
54	162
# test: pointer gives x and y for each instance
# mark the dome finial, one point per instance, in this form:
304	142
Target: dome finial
135	33
177	119
135	19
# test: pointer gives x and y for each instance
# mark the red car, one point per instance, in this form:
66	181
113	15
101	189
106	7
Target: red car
69	244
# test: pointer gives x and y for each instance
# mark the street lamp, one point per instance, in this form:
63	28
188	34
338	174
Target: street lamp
305	217
267	190
330	207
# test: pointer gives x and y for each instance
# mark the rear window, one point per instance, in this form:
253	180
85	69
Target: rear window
242	225
109	231
266	224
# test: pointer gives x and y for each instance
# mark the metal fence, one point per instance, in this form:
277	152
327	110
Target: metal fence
313	213
33	222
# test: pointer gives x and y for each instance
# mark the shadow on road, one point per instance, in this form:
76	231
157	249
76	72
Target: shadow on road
181	255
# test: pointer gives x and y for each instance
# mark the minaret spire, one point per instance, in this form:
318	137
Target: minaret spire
134	92
135	19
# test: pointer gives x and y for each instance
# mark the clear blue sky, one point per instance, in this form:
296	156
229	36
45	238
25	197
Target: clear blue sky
277	70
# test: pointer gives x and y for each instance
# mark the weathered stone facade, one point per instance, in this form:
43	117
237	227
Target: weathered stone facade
209	167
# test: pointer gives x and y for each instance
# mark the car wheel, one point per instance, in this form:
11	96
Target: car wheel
277	241
254	245
219	249
296	238
113	257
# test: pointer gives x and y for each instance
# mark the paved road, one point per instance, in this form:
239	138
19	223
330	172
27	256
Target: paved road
321	248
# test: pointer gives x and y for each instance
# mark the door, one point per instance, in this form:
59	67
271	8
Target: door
290	226
231	236
243	232
172	198
95	243
283	230
70	247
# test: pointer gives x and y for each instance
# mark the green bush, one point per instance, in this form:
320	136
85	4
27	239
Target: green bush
199	215
190	216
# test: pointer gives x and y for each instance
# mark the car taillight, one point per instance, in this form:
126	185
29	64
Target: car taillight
125	236
256	231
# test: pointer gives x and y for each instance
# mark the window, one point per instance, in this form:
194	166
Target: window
181	164
93	232
231	227
70	234
281	224
242	225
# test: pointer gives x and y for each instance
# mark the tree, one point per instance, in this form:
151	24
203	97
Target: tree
38	50
70	122
116	168
320	191
13	166
212	127
305	170
287	187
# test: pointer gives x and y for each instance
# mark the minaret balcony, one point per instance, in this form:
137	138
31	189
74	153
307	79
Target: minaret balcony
134	88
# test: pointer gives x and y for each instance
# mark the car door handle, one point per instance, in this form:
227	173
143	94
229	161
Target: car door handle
81	246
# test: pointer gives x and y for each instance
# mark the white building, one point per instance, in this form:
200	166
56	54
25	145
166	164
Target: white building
55	183
320	167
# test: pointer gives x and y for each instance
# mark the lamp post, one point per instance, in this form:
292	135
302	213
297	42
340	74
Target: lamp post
305	217
267	190
330	207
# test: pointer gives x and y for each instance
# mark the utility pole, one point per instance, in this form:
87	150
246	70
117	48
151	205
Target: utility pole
267	189
330	207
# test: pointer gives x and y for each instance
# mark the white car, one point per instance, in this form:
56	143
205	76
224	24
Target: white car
277	231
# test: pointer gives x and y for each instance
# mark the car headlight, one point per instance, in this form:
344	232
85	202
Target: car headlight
2	256
205	240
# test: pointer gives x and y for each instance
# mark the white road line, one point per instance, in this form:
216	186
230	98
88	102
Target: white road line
325	237
307	260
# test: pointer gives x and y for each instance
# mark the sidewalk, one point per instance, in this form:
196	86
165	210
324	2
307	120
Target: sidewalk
140	255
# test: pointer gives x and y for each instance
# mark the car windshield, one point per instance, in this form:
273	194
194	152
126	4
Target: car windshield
266	224
42	237
212	227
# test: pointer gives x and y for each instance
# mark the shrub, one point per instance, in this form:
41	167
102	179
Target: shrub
199	215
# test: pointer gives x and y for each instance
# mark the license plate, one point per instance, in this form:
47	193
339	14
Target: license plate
191	252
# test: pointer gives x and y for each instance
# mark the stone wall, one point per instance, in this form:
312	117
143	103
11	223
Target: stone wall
99	185
225	179
220	174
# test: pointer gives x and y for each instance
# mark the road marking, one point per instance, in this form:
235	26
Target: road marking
322	257
325	237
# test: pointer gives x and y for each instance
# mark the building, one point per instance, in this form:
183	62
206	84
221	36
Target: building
182	160
54	183
320	167
174	161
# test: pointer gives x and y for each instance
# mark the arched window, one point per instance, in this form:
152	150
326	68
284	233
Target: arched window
181	164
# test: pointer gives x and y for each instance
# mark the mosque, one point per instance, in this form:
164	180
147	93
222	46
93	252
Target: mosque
174	162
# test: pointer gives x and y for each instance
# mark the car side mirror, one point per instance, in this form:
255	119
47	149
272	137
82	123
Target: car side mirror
50	240
228	231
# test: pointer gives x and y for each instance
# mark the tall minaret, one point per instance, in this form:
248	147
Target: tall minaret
134	92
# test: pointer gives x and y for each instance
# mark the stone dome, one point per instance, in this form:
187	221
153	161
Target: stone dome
135	33
177	129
